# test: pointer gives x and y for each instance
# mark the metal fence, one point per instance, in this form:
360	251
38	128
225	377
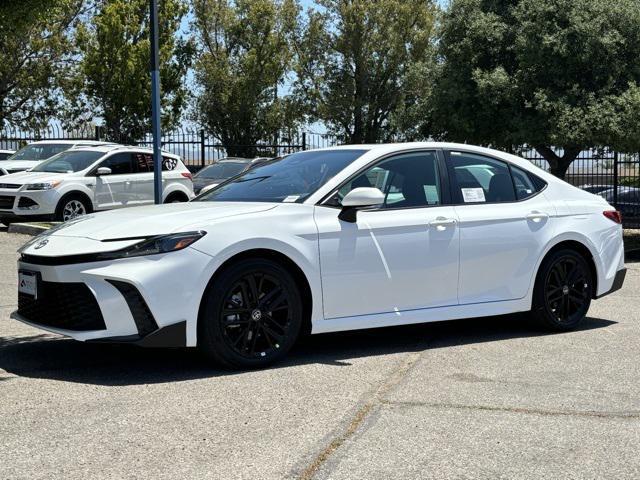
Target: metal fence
611	174
195	146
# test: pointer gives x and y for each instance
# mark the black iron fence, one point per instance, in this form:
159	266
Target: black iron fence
195	146
610	174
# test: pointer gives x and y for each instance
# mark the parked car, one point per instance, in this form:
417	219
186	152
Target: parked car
344	238
4	154
628	202
222	170
86	179
595	189
31	155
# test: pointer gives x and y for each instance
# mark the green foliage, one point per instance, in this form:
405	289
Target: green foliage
34	47
360	65
112	79
244	54
562	73
630	181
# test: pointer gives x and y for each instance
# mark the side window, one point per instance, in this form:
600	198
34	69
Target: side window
169	163
120	163
408	180
525	187
143	162
481	179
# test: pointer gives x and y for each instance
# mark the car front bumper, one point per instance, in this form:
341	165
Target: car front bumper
28	204
150	301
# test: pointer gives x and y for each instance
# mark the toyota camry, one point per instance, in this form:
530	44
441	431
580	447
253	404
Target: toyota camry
328	240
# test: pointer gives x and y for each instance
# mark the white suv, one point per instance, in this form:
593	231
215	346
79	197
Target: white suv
31	155
86	179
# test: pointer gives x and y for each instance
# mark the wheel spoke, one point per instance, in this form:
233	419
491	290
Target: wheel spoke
276	303
264	301
272	333
253	289
273	321
235	311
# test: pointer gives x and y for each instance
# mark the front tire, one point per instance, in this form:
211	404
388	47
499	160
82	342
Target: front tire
70	207
563	290
251	315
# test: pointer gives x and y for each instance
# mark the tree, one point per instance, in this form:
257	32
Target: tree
34	46
112	80
547	74
244	54
355	59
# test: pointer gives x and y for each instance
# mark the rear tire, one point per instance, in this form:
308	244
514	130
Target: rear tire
563	290
251	315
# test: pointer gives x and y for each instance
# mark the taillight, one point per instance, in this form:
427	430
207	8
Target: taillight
187	175
613	215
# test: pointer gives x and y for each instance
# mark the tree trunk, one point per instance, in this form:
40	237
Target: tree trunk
558	165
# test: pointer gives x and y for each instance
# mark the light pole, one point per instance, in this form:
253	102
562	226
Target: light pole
155	104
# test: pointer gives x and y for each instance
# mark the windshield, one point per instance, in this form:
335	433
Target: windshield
40	151
221	170
292	179
69	162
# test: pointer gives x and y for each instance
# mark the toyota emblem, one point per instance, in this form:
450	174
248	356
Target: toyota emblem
41	244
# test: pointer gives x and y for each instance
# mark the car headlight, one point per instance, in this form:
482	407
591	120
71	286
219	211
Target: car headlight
42	186
154	245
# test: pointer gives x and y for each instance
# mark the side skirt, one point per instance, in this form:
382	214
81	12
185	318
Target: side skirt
423	315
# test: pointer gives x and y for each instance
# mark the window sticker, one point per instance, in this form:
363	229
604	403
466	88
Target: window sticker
472	195
291	199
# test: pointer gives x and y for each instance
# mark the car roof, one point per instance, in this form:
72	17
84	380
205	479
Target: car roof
68	141
234	160
106	148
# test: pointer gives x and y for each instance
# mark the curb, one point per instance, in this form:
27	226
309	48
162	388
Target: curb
27	228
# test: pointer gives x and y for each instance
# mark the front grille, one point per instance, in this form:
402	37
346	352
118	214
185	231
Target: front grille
69	306
142	316
6	201
9	186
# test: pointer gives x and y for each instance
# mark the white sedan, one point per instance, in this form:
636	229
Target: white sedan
321	241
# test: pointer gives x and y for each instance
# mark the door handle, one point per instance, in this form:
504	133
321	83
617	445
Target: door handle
536	216
441	223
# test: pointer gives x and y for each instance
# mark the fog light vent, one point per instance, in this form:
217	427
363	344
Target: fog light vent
26	202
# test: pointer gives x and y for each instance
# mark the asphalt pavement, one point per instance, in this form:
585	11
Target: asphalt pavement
479	398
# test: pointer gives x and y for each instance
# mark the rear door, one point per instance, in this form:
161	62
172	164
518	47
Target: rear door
143	163
504	225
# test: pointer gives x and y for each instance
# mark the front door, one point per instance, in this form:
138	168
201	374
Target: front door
118	188
401	256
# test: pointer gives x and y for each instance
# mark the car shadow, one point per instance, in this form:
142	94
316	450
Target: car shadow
51	357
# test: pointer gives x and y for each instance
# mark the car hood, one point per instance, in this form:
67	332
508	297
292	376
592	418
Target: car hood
204	182
22	178
18	164
156	219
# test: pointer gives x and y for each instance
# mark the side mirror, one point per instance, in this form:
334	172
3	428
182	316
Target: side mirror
357	199
103	171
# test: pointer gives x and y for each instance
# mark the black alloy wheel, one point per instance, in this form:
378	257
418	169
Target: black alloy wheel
563	290
252	315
